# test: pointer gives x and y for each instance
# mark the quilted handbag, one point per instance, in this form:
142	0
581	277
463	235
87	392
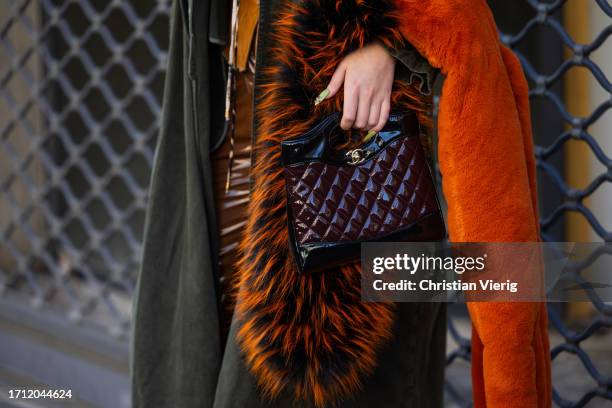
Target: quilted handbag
339	197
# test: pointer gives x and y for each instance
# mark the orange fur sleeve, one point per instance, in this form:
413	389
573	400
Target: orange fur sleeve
487	165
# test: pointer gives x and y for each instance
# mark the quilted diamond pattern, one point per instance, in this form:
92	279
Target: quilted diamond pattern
391	190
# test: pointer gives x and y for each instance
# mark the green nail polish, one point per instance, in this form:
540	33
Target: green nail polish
370	135
321	96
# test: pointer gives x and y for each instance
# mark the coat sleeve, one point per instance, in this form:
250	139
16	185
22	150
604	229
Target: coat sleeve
412	67
486	161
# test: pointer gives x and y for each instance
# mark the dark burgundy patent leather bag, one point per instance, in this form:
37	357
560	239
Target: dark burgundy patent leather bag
338	198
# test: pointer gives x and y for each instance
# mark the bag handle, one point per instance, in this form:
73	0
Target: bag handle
316	143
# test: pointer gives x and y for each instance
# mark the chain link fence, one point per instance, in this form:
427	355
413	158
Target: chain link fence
80	101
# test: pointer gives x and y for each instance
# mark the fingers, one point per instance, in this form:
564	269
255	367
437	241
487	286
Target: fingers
367	78
336	81
363	110
349	111
374	115
385	109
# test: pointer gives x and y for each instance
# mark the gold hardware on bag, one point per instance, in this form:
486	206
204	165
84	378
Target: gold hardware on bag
357	156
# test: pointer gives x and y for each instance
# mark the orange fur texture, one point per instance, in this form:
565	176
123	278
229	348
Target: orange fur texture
488	172
310	334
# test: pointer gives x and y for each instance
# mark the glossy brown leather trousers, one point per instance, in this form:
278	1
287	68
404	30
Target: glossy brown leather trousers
231	205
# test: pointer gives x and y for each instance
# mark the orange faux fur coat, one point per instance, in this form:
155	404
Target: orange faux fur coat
488	177
311	333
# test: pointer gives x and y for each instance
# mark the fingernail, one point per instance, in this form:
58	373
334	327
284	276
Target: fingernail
370	135
321	96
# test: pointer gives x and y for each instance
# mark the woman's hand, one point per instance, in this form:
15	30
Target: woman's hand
367	75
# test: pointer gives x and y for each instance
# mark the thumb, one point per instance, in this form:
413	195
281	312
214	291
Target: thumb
334	84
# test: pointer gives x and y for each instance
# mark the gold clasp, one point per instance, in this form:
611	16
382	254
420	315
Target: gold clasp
356	156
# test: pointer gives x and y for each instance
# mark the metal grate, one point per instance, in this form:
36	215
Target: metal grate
80	92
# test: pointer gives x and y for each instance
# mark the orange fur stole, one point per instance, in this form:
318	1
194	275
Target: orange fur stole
311	334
